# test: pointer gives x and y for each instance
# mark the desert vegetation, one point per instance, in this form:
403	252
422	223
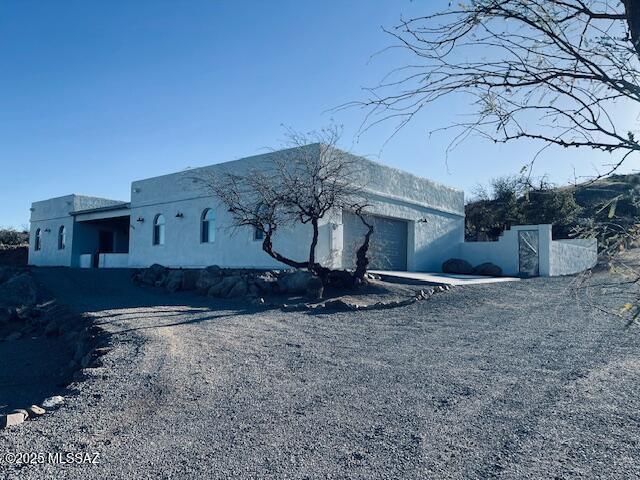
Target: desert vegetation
14	246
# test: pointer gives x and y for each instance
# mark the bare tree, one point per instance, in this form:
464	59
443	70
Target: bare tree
310	181
548	70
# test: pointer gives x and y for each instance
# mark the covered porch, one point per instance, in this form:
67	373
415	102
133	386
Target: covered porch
101	237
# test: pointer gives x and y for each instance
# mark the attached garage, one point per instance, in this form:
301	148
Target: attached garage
388	248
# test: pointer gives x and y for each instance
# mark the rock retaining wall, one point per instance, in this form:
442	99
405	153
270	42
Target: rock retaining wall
232	283
262	285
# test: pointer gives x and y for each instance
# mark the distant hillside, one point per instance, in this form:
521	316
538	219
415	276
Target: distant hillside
613	200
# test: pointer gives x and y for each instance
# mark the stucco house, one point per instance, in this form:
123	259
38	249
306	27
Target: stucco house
172	220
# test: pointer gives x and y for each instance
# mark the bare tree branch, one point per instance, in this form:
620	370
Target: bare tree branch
555	71
310	181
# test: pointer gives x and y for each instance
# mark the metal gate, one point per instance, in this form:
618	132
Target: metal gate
388	245
528	253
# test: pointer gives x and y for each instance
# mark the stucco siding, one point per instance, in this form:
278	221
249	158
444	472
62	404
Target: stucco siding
391	183
232	247
434	215
572	256
392	193
49	216
433	236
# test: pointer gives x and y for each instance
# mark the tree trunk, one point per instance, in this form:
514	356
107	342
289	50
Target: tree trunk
267	246
362	261
314	242
632	9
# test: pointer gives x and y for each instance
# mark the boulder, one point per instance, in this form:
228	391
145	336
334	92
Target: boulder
18	291
488	269
190	279
337	304
254	291
222	288
154	275
240	289
209	277
22	412
157	269
53	402
458	266
295	282
36	411
11	419
266	282
148	277
174	280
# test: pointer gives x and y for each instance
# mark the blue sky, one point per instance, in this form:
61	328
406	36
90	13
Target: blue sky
96	94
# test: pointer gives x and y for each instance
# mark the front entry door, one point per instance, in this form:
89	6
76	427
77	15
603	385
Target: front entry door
528	253
105	241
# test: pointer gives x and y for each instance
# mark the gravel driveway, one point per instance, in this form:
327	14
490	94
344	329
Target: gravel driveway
511	380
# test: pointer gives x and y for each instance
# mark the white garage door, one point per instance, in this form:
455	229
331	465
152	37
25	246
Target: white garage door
388	249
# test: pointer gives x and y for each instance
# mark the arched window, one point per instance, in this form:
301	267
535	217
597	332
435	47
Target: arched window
158	230
62	238
38	244
208	227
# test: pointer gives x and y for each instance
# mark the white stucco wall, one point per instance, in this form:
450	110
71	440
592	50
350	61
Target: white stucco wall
504	252
556	257
233	247
434	214
433	236
392	193
113	260
573	256
53	213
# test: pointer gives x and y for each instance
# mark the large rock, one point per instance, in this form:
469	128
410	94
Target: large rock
240	289
295	282
174	280
12	419
190	279
18	291
157	269
53	402
222	288
153	274
266	282
458	266
488	269
36	411
209	277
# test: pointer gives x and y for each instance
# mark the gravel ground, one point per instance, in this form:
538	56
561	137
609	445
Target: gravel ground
509	380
